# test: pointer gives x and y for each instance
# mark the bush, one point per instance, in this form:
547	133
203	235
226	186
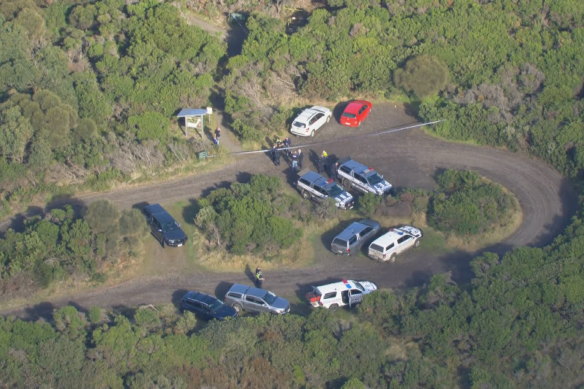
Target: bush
423	76
248	217
368	204
466	205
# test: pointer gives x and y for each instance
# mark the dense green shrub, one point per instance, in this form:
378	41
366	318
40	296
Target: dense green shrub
61	244
248	217
80	81
423	76
466	205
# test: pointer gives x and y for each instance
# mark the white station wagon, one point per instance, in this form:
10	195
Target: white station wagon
397	240
310	120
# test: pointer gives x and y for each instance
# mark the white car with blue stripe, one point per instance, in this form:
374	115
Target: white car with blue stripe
363	178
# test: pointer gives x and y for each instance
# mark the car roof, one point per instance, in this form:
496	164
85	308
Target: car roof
356	227
387	238
158	213
306	114
355	166
198	296
238	288
336	286
391	236
355	105
314	178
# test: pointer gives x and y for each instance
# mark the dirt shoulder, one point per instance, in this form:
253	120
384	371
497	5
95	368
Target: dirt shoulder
408	159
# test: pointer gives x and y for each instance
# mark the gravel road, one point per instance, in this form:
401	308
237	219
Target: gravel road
408	159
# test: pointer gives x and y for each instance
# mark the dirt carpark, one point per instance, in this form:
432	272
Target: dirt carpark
409	158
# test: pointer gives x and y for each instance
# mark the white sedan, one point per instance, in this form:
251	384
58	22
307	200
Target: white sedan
310	120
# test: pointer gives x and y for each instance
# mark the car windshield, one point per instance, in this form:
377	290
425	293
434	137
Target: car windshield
215	305
270	298
349	115
359	286
299	124
170	226
375	247
334	190
340	242
374	179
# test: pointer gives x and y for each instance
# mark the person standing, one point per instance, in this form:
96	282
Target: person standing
218	133
320	165
276	156
335	171
294	161
259	277
300	158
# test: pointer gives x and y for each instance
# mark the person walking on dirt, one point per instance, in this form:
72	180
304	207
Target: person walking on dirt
259	277
218	133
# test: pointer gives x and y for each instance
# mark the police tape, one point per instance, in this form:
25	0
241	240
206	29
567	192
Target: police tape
390	131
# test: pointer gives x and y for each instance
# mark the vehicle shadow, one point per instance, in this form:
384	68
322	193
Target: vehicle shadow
177	296
222	288
190	211
338	110
40	311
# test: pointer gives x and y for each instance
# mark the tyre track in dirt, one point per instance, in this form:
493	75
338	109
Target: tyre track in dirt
408	159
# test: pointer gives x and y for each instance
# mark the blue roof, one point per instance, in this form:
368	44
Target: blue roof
191	112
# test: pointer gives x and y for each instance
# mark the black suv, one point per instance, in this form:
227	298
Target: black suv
208	307
164	227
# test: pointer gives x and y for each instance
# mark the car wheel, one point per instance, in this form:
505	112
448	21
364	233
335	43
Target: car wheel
417	243
305	194
392	258
328	119
333	307
237	308
312	133
162	243
358	123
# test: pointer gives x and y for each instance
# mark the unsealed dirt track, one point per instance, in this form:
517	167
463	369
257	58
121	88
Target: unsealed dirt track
408	159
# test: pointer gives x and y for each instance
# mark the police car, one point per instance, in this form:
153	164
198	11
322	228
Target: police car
340	294
362	178
397	240
313	185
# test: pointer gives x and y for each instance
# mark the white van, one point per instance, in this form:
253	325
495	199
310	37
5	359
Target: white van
339	294
397	240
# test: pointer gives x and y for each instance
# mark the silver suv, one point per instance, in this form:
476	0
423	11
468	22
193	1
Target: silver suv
352	238
253	299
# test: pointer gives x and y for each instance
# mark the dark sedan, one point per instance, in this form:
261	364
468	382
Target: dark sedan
207	307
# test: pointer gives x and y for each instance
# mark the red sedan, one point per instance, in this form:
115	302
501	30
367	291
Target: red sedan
355	112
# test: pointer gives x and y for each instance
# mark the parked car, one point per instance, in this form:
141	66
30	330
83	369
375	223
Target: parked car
354	236
207	307
313	185
340	294
254	299
164	227
363	178
310	120
355	112
394	242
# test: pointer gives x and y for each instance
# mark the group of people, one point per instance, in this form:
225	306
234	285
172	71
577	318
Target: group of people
294	157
